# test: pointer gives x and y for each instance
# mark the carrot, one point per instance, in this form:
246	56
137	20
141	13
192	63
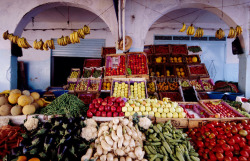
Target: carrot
13	136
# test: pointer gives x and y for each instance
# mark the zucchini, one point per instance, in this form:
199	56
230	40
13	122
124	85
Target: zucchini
156	129
152	150
159	127
164	150
195	158
167	147
147	150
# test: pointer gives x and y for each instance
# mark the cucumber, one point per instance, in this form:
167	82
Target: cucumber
167	147
159	127
147	150
187	156
179	155
156	129
152	150
164	150
162	137
165	158
195	158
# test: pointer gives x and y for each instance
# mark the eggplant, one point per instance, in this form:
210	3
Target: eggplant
47	125
33	151
48	141
26	149
42	155
35	141
41	132
61	151
16	151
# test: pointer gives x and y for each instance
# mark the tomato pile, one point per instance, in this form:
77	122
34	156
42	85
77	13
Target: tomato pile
138	64
120	70
161	49
179	49
197	70
109	51
228	141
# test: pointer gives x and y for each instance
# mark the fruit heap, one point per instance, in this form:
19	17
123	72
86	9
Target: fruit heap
180	72
173	86
197	109
220	109
74	74
160	59
93	85
97	73
72	86
107	107
238	106
169	73
185	83
120	90
87	73
137	63
82	85
179	49
152	96
227	141
151	87
165	86
196	84
106	86
154	107
197	70
137	91
191	59
174	96
119	70
175	59
168	143
161	49
207	86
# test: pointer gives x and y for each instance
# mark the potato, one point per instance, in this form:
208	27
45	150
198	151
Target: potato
16	110
5	110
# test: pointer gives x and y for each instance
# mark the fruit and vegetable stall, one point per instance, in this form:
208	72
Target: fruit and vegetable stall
156	105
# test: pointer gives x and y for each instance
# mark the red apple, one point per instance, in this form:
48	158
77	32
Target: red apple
110	103
113	99
118	99
106	99
113	108
93	110
92	105
122	103
121	114
104	103
107	108
115	114
94	101
119	109
98	113
97	105
103	114
109	114
99	100
89	113
116	104
101	108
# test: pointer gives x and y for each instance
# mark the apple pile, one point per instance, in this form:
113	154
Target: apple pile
224	141
197	109
220	110
138	63
107	107
154	107
119	70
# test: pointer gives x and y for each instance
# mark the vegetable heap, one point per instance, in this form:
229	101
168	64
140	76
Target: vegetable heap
58	139
65	104
97	73
222	141
10	137
117	140
164	142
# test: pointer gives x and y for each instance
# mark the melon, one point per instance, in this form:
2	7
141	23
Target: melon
15	91
26	92
36	105
16	110
24	100
3	100
13	98
29	109
35	95
5	110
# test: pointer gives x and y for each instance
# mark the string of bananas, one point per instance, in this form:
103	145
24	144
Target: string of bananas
232	33
183	27
219	34
23	43
11	37
6	35
238	30
86	30
74	37
63	41
199	32
190	30
40	45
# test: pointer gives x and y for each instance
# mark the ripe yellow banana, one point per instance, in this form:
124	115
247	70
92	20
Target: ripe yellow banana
71	36
5	35
76	38
190	30
52	44
232	33
86	29
219	34
183	27
238	30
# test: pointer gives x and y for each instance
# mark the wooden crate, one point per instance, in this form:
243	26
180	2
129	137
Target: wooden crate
108	50
207	80
184	70
127	80
164	48
133	80
195	103
175	51
185	57
78	75
106	66
205	75
149	49
193	123
162	95
176	122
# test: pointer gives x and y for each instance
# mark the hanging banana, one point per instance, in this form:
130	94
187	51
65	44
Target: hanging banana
232	33
238	30
190	30
219	34
5	35
183	27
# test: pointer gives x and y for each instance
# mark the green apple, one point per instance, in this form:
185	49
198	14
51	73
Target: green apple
142	108
172	109
166	110
147	105
155	109
137	104
168	105
124	109
130	101
151	113
148	100
127	113
178	109
175	115
145	113
132	113
136	109
130	109
148	108
160	110
139	113
157	114
174	104
182	115
126	104
169	115
163	115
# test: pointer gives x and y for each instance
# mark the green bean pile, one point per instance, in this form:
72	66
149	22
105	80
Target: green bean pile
66	104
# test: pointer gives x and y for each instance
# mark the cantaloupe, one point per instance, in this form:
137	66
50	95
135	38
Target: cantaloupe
26	92
16	110
5	110
15	91
3	100
29	109
36	105
35	95
24	100
13	98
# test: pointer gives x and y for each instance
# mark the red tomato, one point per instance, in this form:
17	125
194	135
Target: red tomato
234	130
236	147
219	150
221	142
200	144
212	135
210	125
229	135
247	148
248	137
231	141
236	138
215	123
228	158
241	158
242	144
239	126
229	153
235	159
213	143
226	147
244	153
219	156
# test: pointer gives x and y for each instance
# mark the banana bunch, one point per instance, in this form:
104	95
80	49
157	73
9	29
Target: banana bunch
190	30
13	38
183	27
232	33
74	37
51	44
199	32
63	41
81	33
38	45
86	30
6	35
23	43
219	33
238	30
